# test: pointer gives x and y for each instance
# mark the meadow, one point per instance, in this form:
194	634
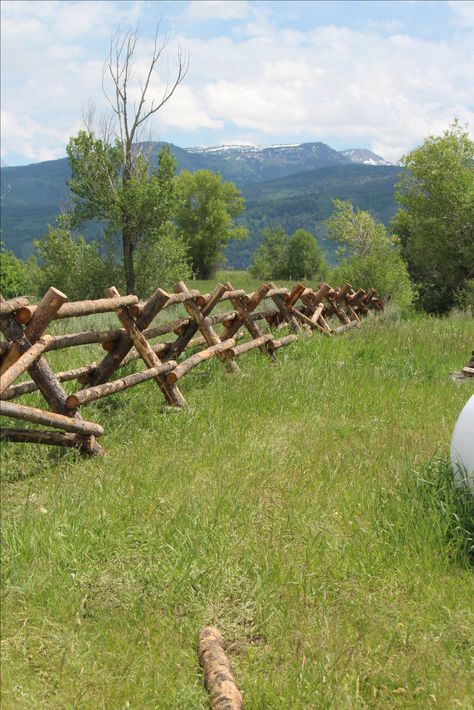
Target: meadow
305	508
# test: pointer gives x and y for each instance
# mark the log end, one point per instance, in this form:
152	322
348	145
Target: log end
24	315
72	402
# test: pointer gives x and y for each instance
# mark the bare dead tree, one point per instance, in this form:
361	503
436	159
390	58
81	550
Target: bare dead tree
131	115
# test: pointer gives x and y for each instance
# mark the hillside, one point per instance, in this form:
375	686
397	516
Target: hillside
305	200
291	184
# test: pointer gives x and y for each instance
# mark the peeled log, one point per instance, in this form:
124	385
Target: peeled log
91	394
196	359
23	363
79	308
218	678
7	307
39	416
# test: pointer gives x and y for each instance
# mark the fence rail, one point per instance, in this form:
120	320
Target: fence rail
199	336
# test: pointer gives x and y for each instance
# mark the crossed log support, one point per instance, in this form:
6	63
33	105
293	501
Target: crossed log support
26	344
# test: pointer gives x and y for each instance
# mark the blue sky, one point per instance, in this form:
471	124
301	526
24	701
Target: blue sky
380	75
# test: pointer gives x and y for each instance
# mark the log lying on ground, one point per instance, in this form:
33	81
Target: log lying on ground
59	421
78	308
23	363
184	367
91	394
37	436
7	307
218	678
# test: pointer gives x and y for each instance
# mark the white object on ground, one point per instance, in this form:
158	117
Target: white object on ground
462	447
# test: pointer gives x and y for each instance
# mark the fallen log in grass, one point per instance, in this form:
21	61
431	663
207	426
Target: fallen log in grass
218	678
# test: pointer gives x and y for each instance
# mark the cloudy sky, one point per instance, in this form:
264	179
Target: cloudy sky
379	75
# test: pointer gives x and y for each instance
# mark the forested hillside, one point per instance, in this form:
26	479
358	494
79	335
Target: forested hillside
290	185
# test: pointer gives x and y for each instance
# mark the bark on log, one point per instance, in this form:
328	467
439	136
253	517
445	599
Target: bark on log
47	382
184	367
171	393
45	312
295	294
59	421
281	342
12	305
171	299
285	312
202	299
218	678
77	308
206	328
91	394
31	386
23	363
249	345
37	436
112	360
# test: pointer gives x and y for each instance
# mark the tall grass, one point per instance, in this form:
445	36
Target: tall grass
306	508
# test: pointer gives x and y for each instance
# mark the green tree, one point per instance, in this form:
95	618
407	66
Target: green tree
436	220
13	274
270	260
110	176
305	258
73	265
371	257
141	210
205	218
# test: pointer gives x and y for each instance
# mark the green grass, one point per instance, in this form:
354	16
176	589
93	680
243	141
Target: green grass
305	508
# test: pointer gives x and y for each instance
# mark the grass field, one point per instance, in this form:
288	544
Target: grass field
305	508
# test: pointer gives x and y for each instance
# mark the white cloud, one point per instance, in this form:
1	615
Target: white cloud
199	10
261	83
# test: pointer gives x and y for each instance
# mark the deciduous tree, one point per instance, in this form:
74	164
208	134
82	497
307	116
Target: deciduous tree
436	219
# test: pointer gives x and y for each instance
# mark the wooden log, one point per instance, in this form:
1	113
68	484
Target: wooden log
249	345
202	299
184	367
47	382
143	347
276	343
31	386
124	344
205	327
244	310
191	329
58	421
23	363
45	312
172	298
468	371
12	305
91	394
40	436
313	325
218	678
295	294
4	347
341	293
77	308
285	312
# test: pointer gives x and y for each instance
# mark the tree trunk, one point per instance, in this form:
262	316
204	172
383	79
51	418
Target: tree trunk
127	227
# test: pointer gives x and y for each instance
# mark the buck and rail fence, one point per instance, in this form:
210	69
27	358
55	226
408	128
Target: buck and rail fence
252	320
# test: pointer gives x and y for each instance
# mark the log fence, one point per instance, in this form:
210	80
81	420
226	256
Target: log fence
199	335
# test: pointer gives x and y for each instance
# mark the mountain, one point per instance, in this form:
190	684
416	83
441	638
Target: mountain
279	182
364	156
305	200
